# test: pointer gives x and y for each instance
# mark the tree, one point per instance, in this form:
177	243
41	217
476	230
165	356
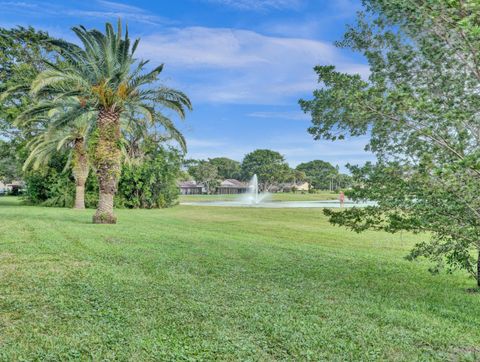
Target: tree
206	173
344	181
21	54
318	172
298	175
109	84
72	140
295	177
420	107
22	51
227	168
269	166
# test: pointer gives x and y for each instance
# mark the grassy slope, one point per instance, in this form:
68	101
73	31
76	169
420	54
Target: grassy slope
193	283
281	196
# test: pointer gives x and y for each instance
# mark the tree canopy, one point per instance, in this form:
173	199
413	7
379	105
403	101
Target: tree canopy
320	173
226	167
204	172
270	167
420	107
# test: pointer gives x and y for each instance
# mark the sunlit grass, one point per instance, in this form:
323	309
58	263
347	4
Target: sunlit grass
197	283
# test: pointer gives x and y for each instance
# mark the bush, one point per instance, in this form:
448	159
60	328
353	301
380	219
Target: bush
151	184
148	184
46	187
61	193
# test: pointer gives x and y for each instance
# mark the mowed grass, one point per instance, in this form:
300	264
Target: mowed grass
228	284
280	196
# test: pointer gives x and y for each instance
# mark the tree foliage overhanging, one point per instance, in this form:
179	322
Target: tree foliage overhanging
22	51
420	105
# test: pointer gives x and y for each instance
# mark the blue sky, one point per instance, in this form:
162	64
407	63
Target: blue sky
244	64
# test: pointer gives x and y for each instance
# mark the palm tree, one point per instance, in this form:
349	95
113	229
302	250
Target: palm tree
105	79
72	139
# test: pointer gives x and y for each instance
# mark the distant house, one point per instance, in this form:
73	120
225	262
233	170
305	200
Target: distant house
302	186
231	186
190	188
16	187
299	186
3	188
13	187
226	187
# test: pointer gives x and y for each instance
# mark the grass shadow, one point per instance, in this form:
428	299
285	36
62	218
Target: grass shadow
11	201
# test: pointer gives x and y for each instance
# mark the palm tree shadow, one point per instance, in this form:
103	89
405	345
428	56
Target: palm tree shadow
10	201
56	218
15	208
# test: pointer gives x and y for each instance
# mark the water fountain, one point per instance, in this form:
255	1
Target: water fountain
253	195
253	188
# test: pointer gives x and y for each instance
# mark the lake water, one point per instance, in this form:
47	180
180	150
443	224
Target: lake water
328	204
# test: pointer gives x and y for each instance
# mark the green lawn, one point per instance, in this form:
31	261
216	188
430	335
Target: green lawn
199	283
281	196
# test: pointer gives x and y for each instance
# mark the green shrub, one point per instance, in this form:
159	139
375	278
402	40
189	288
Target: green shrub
150	183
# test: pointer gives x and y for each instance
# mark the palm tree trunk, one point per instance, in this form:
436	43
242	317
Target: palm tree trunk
108	163
80	171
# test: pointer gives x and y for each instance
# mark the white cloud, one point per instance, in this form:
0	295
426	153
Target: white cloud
109	15
259	5
114	10
120	6
100	9
203	47
231	48
242	66
20	4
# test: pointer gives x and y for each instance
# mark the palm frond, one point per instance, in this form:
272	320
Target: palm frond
101	73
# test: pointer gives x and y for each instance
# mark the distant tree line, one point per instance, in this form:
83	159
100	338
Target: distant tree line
270	168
